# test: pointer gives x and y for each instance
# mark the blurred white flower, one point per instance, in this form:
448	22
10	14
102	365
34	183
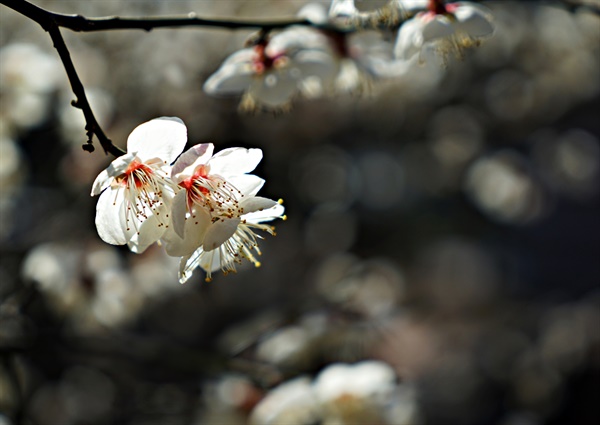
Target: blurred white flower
362	393
346	15
270	73
314	13
368	379
365	392
86	284
133	208
292	403
343	13
216	213
363	57
28	78
444	29
502	186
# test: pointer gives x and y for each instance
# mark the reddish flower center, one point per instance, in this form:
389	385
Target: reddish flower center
136	173
263	62
200	173
438	7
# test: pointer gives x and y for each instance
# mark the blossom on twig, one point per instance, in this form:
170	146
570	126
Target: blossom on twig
216	212
270	73
135	190
444	28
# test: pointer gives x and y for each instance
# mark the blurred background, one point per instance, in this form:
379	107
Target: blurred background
445	225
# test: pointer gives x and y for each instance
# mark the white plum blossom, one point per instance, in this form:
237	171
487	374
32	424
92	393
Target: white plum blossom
362	393
344	13
136	190
367	379
203	209
365	392
30	78
270	73
216	212
445	28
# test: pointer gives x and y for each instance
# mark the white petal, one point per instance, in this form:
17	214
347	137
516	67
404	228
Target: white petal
247	184
102	182
162	138
188	264
342	8
410	39
116	168
316	63
294	39
256	203
349	77
110	217
274	89
219	232
149	231
195	228
265	215
234	161
190	159
474	21
393	68
412	5
314	13
246	55
438	27
178	212
209	261
230	79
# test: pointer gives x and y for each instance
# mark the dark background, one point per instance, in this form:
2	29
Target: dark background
446	223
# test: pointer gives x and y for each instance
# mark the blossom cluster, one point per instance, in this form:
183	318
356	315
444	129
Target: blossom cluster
203	208
323	59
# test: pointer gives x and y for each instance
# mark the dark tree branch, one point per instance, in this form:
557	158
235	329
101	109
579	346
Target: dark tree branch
80	23
46	20
92	127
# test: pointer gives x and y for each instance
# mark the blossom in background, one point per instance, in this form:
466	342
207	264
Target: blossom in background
215	214
356	393
270	73
444	28
362	393
29	77
343	13
136	190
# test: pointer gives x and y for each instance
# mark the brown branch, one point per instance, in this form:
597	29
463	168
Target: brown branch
92	127
46	21
80	23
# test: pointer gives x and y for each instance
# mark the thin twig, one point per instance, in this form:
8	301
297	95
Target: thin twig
92	127
46	20
80	23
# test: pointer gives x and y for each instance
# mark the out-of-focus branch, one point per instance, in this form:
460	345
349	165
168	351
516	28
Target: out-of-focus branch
389	15
591	5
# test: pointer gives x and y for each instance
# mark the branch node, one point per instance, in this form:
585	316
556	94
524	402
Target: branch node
88	147
75	103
